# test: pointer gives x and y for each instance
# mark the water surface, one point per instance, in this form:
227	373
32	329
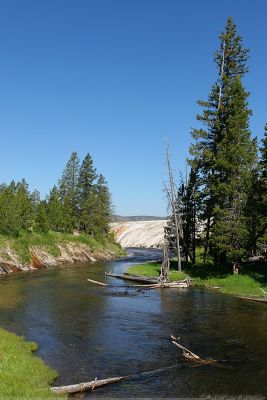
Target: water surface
87	331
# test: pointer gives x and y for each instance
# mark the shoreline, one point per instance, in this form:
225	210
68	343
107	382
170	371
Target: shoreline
32	251
23	374
241	286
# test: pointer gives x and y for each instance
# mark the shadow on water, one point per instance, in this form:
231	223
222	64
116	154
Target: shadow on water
87	331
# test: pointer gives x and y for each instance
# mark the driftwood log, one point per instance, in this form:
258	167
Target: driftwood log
176	284
80	387
190	356
96	282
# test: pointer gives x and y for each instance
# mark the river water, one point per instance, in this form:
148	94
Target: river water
86	331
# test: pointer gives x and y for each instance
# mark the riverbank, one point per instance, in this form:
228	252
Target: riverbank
23	375
38	250
248	284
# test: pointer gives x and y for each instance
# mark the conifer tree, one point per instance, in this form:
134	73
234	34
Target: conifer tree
41	219
103	210
55	211
35	199
217	149
258	208
87	193
24	205
87	177
235	160
9	215
69	193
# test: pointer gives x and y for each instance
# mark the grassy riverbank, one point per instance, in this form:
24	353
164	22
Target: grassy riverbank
50	241
153	270
248	283
23	375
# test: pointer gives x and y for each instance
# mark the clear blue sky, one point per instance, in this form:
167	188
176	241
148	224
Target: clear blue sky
108	77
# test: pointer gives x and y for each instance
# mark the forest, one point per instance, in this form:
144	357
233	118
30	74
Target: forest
81	201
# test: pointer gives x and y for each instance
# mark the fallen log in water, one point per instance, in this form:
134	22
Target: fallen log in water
98	283
189	355
135	278
162	285
260	299
80	387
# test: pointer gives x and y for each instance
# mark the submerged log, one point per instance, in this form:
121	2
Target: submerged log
190	356
80	387
98	283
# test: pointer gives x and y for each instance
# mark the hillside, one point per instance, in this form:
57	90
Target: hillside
139	233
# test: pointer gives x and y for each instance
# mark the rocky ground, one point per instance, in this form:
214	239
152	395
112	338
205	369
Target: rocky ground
40	257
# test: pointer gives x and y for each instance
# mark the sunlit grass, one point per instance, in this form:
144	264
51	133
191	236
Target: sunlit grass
246	284
23	375
240	285
153	270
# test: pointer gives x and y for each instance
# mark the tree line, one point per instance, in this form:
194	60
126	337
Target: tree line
222	204
81	201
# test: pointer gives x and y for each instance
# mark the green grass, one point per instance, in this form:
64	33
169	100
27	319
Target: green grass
239	285
153	270
49	241
248	283
23	375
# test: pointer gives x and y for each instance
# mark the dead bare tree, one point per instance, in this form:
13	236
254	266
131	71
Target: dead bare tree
174	206
165	266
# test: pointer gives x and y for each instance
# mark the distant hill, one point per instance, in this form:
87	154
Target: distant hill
120	218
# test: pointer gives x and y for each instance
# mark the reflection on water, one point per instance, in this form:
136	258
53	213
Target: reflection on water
87	331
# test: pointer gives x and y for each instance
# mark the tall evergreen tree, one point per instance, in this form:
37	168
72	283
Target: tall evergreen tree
235	160
69	192
87	193
9	215
87	177
56	218
102	215
223	141
24	205
41	219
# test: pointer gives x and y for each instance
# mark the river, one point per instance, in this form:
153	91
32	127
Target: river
86	331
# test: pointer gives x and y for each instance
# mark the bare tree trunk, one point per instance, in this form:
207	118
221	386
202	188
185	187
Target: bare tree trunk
177	219
165	266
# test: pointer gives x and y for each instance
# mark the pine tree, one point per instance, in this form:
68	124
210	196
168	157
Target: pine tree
9	215
103	210
41	219
262	203
24	205
35	199
217	151
87	195
69	193
55	215
235	160
87	177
